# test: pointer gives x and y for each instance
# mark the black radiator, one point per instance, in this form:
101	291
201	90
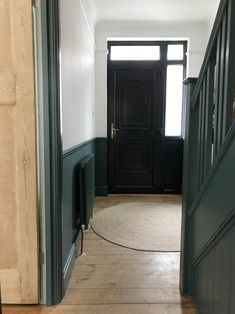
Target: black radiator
85	189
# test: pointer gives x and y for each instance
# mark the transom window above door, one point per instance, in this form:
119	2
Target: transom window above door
135	53
175	52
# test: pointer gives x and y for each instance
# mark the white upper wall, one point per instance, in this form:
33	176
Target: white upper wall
77	72
211	17
153	10
195	33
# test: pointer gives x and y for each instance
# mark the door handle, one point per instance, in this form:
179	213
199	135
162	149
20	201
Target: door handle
113	131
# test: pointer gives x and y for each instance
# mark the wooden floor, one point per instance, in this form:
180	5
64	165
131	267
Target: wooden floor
109	279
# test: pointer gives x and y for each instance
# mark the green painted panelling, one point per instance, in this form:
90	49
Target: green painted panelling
70	159
101	166
214	277
216	203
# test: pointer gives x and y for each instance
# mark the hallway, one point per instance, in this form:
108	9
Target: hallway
110	279
55	113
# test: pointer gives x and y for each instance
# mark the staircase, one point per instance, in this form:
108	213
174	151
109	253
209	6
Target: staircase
208	252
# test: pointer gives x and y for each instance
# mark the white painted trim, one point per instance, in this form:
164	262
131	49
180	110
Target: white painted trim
87	24
69	260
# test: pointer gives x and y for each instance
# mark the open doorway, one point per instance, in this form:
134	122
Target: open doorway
145	89
49	149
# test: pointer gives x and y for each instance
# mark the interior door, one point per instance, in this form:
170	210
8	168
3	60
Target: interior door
135	126
18	205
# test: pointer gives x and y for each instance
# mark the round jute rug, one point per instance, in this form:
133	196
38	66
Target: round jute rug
145	226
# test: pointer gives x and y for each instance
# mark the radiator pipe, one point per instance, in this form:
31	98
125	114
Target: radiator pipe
82	238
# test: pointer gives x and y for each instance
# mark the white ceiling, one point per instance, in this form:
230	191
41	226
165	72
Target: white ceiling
154	10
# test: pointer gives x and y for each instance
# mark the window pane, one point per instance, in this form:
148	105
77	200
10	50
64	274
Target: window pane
135	53
175	52
174	91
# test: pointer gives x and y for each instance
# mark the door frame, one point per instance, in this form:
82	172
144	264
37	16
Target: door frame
163	59
49	148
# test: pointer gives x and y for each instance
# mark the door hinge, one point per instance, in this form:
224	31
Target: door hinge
36	3
41	258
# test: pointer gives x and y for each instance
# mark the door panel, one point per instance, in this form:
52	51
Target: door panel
134	166
135	109
18	206
135	105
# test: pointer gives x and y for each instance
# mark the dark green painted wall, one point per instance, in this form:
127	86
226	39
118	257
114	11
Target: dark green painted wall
214	276
70	159
216	203
101	166
208	252
211	222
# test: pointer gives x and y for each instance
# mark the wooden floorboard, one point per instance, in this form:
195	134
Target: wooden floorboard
121	282
125	270
110	279
125	309
104	309
158	260
123	296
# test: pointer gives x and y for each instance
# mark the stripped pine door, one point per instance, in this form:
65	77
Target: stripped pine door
18	210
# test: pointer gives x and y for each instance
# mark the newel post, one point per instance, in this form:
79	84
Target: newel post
189	133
